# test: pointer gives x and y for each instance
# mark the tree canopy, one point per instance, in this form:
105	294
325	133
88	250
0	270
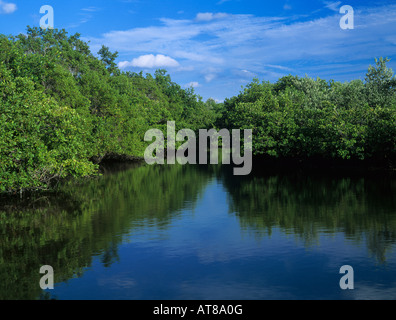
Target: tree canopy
63	109
304	118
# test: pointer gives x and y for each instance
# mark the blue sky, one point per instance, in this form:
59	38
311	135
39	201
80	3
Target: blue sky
219	46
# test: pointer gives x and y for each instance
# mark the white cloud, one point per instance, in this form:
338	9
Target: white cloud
193	84
91	9
253	43
222	1
87	14
7	7
279	67
245	74
192	56
208	16
150	61
333	5
268	47
209	77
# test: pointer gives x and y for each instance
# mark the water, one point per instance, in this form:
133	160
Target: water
198	232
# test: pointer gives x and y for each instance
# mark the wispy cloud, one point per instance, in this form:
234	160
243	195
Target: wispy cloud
333	5
193	84
209	16
86	15
222	1
150	61
91	9
7	7
209	77
221	47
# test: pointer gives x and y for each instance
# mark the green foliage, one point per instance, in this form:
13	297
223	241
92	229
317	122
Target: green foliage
40	139
303	118
109	59
62	106
380	84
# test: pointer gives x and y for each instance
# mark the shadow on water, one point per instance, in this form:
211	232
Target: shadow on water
66	229
306	202
81	221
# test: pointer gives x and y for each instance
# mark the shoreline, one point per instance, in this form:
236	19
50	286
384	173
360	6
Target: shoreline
116	162
316	163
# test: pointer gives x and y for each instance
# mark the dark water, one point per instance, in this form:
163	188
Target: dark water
198	232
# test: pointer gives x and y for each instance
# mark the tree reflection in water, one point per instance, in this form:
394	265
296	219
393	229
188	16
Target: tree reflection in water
67	229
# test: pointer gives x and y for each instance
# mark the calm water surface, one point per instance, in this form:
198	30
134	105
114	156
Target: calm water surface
198	232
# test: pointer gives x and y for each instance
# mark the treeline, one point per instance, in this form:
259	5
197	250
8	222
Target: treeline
63	109
90	220
304	118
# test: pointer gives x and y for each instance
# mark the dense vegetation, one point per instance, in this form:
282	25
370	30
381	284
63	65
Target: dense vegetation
63	110
303	118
